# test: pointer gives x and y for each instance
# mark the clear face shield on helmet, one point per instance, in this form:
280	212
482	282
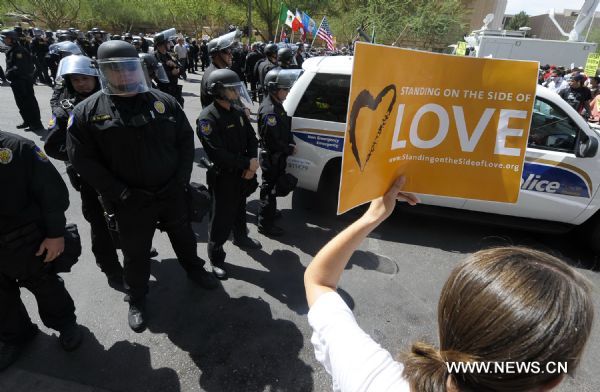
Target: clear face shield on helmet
79	64
228	40
236	93
284	80
122	76
64	48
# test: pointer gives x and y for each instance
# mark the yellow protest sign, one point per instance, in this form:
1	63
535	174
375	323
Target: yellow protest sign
455	126
592	63
461	48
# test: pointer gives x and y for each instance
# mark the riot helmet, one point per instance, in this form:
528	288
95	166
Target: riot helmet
225	84
285	57
64	48
72	67
279	78
115	37
121	70
270	50
225	41
154	67
12	35
164	36
128	37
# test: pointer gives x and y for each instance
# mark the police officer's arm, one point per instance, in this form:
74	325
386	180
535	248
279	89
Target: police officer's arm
49	191
185	141
56	141
22	64
251	141
272	128
216	150
85	157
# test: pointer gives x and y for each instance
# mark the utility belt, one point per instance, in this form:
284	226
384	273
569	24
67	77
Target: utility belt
32	234
20	236
111	220
249	186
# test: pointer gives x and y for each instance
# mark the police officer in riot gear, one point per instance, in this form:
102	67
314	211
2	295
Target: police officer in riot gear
220	51
231	145
135	146
171	67
32	228
277	143
265	65
96	41
285	58
156	72
20	71
80	80
39	50
251	59
56	53
299	55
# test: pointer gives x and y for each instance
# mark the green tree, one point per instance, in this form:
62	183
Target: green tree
519	20
50	13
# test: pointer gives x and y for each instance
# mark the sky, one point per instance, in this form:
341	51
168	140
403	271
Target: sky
537	7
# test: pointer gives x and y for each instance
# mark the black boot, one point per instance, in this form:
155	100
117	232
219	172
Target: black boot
136	316
9	352
202	277
70	337
246	242
23	125
270	230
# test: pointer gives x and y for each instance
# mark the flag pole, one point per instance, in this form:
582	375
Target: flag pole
278	20
315	37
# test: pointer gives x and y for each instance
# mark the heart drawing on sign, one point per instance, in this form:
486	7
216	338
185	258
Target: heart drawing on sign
366	100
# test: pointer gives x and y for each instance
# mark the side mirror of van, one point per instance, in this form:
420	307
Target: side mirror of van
587	147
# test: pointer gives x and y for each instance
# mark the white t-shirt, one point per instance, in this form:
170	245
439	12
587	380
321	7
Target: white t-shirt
354	360
180	51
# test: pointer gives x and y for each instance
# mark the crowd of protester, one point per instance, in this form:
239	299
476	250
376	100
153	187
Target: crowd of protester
579	90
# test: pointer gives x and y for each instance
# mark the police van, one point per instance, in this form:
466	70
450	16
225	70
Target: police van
561	174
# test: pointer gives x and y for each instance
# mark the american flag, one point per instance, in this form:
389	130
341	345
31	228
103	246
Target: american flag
324	33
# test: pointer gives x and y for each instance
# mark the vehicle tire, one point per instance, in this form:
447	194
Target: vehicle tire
591	229
327	193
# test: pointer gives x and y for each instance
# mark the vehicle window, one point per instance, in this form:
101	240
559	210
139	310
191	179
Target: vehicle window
326	98
551	128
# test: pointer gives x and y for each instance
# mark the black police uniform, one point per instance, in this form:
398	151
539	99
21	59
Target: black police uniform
230	143
172	87
19	70
103	246
263	69
205	98
39	49
32	207
138	152
277	142
251	59
93	50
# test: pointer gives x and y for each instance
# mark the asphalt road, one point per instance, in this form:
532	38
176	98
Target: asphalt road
252	334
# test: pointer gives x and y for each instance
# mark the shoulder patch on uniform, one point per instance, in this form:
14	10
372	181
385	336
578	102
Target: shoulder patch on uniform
6	156
19	55
159	107
40	155
70	121
271	120
205	127
52	122
100	118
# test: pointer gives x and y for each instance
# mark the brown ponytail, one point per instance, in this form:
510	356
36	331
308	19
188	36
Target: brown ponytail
505	305
425	367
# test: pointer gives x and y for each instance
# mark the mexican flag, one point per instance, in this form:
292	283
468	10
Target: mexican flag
286	16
